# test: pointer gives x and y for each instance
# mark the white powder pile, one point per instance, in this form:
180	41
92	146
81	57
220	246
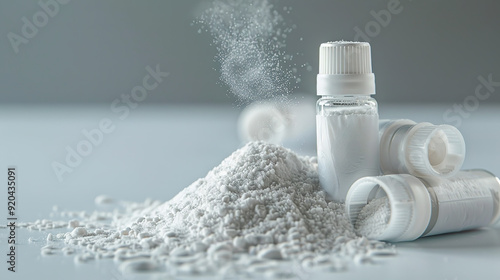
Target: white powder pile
250	37
261	208
374	218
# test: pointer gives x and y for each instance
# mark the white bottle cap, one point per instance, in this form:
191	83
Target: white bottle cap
410	205
345	68
420	149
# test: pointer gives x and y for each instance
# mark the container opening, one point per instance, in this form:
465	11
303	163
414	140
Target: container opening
374	217
437	149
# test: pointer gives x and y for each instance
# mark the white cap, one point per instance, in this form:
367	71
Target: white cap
420	149
409	200
345	68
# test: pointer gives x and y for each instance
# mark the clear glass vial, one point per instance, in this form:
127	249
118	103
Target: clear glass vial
427	206
346	117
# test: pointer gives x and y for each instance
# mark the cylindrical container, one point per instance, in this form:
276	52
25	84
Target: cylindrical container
421	149
346	117
403	207
286	122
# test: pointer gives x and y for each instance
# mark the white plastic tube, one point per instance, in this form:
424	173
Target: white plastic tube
421	149
430	206
288	122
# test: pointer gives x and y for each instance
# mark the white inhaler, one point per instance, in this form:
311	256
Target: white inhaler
421	149
278	122
428	206
346	117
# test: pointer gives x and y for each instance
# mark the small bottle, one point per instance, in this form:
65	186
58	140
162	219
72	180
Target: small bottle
403	207
420	149
346	117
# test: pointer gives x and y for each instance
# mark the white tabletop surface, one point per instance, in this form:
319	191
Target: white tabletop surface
158	150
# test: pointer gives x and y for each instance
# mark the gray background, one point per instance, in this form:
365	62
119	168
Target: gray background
93	51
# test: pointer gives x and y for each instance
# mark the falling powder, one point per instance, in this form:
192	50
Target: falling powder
374	217
250	37
260	208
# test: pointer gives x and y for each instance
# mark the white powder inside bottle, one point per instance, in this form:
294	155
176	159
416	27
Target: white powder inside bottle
374	218
347	148
260	208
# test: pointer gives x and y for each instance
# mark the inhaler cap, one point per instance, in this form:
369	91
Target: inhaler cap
410	205
435	150
420	149
345	68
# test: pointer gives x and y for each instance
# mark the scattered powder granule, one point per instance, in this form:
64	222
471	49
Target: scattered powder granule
374	217
261	208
